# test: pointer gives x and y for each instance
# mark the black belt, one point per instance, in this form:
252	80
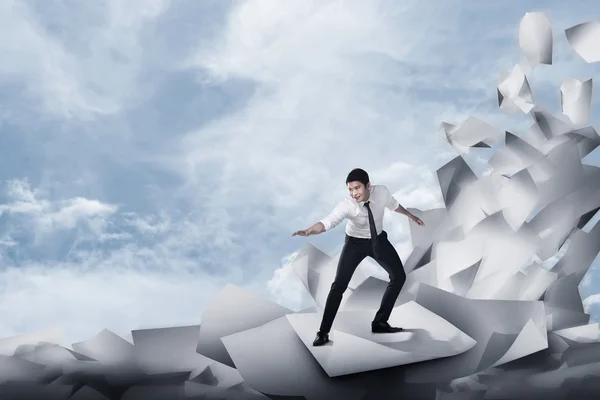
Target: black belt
364	240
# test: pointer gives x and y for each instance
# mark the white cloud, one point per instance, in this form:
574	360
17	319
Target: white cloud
286	288
270	40
82	302
151	278
150	225
97	78
46	217
590	302
320	107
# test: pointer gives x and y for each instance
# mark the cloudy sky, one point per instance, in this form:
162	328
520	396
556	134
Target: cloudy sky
152	150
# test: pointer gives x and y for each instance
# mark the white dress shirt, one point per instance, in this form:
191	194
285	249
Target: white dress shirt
357	214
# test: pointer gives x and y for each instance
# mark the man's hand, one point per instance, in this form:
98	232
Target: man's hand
416	219
313	230
305	232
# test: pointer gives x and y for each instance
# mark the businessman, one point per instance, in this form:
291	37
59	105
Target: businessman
364	208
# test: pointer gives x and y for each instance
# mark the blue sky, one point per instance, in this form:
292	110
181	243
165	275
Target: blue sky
152	151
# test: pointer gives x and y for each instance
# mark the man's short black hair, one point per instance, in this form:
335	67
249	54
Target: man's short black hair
358	175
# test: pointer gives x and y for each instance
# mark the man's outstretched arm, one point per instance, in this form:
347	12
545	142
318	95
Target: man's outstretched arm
326	224
410	215
393	204
313	230
403	211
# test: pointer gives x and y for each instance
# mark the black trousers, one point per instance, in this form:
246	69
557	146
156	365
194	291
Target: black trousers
355	250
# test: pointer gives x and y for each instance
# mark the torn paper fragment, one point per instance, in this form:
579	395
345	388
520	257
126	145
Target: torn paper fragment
582	334
576	99
106	347
495	325
273	360
446	130
535	38
473	132
548	125
354	348
166	350
515	92
585	40
233	310
9	345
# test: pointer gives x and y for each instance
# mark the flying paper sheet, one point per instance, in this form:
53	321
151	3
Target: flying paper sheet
535	38
585	40
576	99
514	91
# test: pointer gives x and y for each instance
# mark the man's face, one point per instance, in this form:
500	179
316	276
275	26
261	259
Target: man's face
358	191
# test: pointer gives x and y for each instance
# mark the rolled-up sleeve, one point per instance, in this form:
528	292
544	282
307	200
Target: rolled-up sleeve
336	216
390	202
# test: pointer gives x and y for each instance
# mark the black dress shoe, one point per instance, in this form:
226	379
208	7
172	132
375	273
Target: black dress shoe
384	327
321	339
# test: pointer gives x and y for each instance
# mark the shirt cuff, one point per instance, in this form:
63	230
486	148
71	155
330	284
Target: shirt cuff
326	224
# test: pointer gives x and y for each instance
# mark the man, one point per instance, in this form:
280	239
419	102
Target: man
364	209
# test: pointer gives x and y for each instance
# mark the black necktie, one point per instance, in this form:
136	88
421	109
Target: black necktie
373	229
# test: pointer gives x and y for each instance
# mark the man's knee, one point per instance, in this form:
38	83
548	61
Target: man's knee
339	287
398	277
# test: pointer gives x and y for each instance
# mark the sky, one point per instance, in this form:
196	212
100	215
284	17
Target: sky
152	151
